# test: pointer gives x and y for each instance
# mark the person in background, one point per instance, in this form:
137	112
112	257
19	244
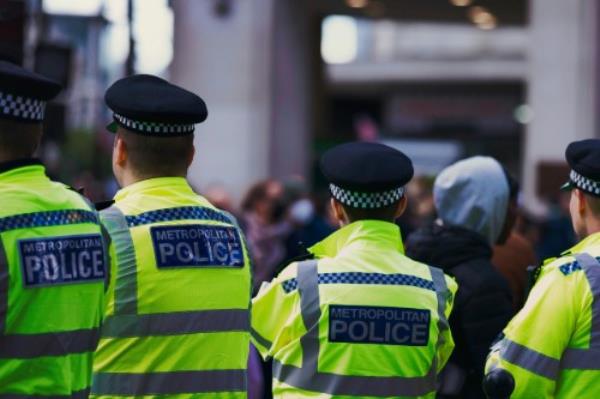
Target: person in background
472	203
53	261
514	256
266	229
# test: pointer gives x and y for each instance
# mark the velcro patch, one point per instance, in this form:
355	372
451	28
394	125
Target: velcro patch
379	325
62	260
197	246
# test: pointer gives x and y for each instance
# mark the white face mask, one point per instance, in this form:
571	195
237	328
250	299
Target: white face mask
302	211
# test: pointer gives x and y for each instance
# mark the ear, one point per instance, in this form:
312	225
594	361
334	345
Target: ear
401	207
120	150
338	211
581	203
191	155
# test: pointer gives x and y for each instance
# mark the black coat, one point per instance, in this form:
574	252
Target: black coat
483	303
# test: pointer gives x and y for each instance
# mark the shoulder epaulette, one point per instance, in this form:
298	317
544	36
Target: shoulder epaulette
569	268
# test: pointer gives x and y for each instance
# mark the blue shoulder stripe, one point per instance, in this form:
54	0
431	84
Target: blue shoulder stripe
365	278
47	218
180	213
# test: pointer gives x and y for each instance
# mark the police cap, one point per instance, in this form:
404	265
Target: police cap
584	159
23	94
149	105
366	175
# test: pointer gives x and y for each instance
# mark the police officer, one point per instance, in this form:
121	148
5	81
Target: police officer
52	257
360	319
177	320
552	346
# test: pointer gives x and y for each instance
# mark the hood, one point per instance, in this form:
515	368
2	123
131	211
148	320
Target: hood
473	194
446	246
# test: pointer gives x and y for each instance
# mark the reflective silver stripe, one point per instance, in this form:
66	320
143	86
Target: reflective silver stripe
200	321
26	346
82	394
587	359
442	293
308	287
309	378
4	285
126	279
169	383
260	339
529	359
336	384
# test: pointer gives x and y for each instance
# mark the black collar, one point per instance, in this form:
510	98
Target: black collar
18	163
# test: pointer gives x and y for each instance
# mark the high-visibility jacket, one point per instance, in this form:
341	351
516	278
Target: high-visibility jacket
52	277
552	346
177	317
361	320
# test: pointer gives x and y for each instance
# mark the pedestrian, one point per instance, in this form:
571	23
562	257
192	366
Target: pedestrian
52	257
360	319
178	309
551	346
471	200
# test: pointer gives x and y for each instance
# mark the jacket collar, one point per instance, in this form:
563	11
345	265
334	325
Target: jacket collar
363	233
149	185
592	239
19	163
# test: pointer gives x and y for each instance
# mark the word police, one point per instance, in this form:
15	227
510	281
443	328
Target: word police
197	245
379	325
62	260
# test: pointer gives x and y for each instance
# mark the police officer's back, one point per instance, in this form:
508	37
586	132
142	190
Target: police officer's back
177	317
551	346
361	319
52	257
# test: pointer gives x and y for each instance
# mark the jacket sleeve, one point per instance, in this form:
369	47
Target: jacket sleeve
274	310
535	339
446	341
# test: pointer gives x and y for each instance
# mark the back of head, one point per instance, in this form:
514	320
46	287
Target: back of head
474	194
367	179
23	97
151	156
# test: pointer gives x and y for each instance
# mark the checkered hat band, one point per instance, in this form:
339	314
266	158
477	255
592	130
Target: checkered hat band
154	127
361	200
585	184
20	107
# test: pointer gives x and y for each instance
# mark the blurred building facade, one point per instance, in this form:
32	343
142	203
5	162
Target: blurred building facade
428	77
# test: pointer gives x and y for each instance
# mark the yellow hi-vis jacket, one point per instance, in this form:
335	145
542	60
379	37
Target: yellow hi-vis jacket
362	320
552	346
177	320
53	269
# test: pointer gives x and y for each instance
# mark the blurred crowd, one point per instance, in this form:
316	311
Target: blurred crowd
282	219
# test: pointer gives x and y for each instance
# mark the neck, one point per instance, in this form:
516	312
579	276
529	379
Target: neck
592	226
128	178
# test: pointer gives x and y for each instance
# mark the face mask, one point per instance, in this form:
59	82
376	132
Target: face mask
302	211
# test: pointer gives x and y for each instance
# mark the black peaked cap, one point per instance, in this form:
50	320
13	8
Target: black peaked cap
584	158
149	98
366	167
19	81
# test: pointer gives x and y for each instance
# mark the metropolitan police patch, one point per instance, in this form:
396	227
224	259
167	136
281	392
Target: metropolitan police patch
197	246
379	325
62	260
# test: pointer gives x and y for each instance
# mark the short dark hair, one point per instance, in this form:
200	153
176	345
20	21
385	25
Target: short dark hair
152	156
19	139
386	213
